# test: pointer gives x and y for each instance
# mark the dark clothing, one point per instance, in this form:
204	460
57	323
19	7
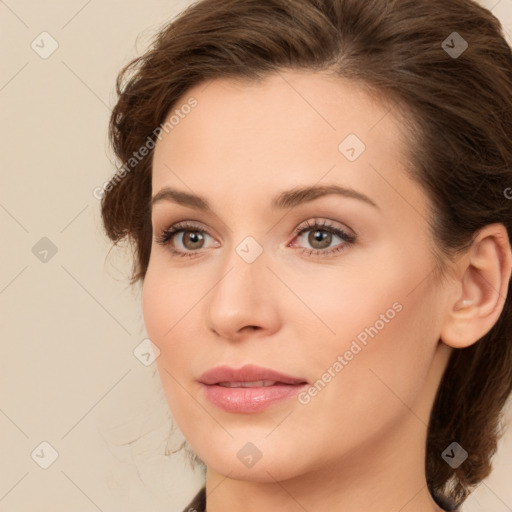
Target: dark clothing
198	504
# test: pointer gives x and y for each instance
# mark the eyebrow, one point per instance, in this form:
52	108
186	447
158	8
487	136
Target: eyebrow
286	199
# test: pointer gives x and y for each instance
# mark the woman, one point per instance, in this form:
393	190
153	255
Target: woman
318	196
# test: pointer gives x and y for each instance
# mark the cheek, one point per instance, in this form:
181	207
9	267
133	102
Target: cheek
383	326
380	357
378	386
156	305
164	309
167	299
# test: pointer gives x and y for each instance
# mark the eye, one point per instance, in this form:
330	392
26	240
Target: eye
190	236
321	236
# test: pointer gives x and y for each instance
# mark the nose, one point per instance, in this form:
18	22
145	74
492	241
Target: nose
244	300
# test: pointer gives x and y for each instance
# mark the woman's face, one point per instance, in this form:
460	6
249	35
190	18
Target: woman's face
336	290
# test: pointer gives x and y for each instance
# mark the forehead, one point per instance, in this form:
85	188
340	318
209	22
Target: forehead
291	128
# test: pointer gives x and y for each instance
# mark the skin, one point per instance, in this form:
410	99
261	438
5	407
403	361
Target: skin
360	442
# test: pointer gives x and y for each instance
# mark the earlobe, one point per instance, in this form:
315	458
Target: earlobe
485	271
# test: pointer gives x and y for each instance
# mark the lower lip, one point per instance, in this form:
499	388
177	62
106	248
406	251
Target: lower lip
249	399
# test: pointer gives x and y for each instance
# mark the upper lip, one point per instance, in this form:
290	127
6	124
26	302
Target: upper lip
247	373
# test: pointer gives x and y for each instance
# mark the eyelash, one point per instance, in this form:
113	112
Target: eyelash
167	234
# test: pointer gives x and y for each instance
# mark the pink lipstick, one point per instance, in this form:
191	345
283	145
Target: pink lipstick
249	388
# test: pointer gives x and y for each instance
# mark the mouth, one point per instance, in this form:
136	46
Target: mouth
248	389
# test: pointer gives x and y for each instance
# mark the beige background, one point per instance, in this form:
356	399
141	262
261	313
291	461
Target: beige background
70	324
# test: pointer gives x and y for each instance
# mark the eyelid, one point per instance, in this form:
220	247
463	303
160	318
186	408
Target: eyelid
325	223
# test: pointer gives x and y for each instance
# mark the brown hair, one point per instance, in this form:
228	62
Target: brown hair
459	139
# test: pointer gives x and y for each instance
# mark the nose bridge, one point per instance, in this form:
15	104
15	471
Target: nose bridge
242	297
244	274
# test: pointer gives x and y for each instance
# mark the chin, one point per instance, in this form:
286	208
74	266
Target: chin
257	462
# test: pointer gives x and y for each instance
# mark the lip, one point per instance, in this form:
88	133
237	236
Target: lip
248	399
247	373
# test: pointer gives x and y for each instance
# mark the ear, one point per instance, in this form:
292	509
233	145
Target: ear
480	290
